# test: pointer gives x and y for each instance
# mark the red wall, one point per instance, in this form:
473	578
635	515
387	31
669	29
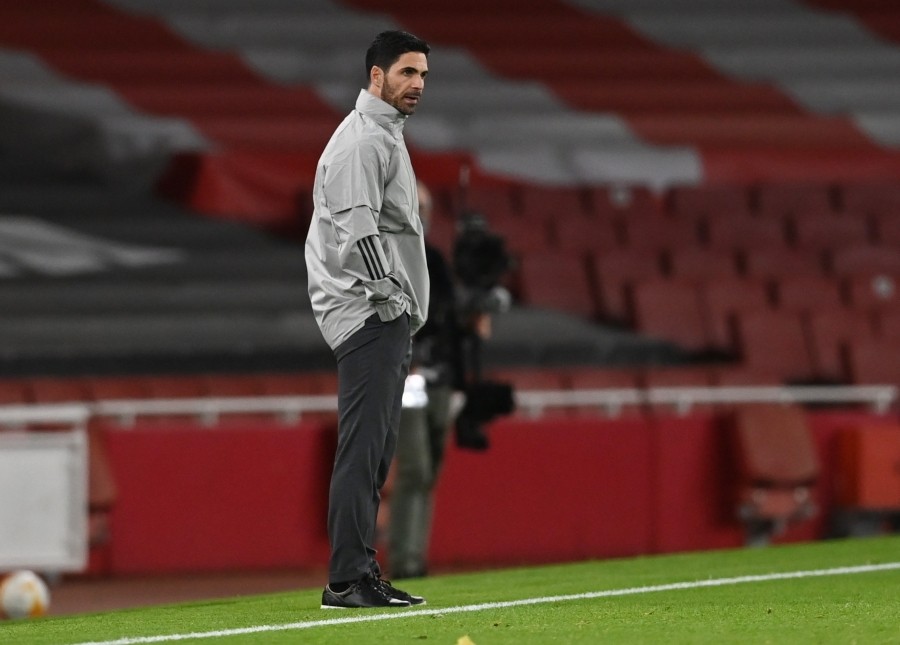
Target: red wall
254	494
192	498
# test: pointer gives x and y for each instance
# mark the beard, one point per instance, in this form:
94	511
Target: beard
394	98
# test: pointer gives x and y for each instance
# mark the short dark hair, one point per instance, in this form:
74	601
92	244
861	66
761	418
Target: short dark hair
388	46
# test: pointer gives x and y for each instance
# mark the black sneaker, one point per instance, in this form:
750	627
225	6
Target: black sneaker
366	592
399	593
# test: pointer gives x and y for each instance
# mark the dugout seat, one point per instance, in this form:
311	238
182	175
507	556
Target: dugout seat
777	467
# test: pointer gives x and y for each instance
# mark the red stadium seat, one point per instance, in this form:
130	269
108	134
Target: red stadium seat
299	383
776	262
660	232
681	376
873	293
871	197
744	232
102	388
805	293
723	300
526	378
709	201
585	234
887	228
522	236
874	362
226	385
670	310
775	342
13	392
818	230
175	387
615	273
602	378
830	334
557	280
57	390
888	324
865	259
787	198
491	200
702	264
556	203
624	201
742	375
777	468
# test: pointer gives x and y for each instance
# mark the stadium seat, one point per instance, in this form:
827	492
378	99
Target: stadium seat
876	198
887	229
775	341
743	232
615	273
775	262
556	203
13	392
865	259
815	230
557	280
742	375
56	390
709	201
585	235
659	232
176	386
670	310
888	324
830	333
530	378
490	200
873	292
103	388
783	199
805	293
226	385
874	361
777	467
700	264
299	383
624	201
723	300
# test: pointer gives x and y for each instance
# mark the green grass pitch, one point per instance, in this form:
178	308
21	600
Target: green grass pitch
844	591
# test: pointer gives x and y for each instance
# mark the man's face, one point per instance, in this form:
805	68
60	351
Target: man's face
403	83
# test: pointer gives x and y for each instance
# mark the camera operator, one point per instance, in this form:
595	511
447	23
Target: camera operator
445	352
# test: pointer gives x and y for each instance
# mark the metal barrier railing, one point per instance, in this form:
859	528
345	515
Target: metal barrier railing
878	398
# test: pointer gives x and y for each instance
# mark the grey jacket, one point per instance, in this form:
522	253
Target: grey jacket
365	249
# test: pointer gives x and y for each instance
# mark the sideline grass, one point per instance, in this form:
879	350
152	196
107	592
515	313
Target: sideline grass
854	608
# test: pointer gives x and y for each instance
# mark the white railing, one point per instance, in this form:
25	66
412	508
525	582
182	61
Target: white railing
878	398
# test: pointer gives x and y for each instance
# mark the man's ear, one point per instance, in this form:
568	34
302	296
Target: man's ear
376	76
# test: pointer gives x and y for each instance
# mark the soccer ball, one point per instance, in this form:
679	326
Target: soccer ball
23	595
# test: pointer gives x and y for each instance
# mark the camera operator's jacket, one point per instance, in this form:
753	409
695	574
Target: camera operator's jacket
365	250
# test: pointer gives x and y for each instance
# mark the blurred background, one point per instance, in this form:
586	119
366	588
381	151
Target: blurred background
701	202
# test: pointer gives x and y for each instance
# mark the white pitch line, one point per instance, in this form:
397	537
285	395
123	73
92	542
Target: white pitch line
397	614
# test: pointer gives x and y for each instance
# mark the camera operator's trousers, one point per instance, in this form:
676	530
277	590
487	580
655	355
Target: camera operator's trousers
372	367
420	455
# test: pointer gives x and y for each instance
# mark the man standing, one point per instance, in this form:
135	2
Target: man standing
368	283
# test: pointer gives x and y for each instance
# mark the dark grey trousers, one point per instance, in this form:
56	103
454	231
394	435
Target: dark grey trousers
372	366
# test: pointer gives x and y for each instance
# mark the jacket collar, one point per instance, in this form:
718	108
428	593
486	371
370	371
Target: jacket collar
384	114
